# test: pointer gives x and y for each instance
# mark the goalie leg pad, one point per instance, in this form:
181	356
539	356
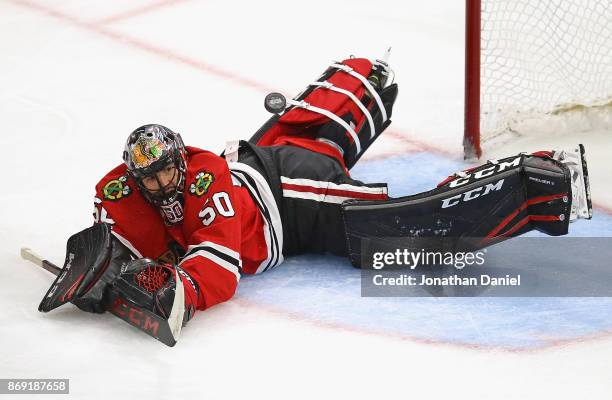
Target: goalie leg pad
341	109
470	210
332	132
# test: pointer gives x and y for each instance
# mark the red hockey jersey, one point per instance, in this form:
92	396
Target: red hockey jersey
223	232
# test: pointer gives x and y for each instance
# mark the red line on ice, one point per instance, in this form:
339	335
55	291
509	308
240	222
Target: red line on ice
194	63
147	47
138	11
547	343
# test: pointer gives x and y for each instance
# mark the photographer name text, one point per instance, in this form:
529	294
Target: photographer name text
452	280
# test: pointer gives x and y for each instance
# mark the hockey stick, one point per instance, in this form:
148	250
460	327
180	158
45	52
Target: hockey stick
166	331
28	254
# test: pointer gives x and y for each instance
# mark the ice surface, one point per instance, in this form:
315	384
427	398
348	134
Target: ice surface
76	77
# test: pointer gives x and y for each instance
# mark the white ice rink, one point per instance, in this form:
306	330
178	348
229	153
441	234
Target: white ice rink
77	76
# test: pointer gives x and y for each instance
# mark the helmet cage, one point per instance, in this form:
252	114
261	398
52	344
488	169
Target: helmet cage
148	150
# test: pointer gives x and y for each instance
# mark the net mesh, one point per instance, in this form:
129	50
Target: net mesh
151	278
542	58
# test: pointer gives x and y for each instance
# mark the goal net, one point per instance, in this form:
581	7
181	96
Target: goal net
536	67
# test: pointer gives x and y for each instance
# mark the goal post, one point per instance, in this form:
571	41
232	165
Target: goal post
471	138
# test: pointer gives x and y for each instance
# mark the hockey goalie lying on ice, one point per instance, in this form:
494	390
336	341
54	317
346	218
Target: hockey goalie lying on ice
176	226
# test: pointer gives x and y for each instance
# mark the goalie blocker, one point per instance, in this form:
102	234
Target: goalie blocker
478	207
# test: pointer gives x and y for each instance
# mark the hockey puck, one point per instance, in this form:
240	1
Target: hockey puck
275	103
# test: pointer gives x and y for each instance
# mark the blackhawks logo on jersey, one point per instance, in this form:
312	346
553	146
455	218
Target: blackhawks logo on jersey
202	182
116	189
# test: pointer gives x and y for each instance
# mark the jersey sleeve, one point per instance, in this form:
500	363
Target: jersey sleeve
134	222
213	232
111	192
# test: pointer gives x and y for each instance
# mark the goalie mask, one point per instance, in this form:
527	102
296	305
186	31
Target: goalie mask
155	157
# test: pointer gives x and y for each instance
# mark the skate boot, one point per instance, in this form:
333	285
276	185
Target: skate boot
581	191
